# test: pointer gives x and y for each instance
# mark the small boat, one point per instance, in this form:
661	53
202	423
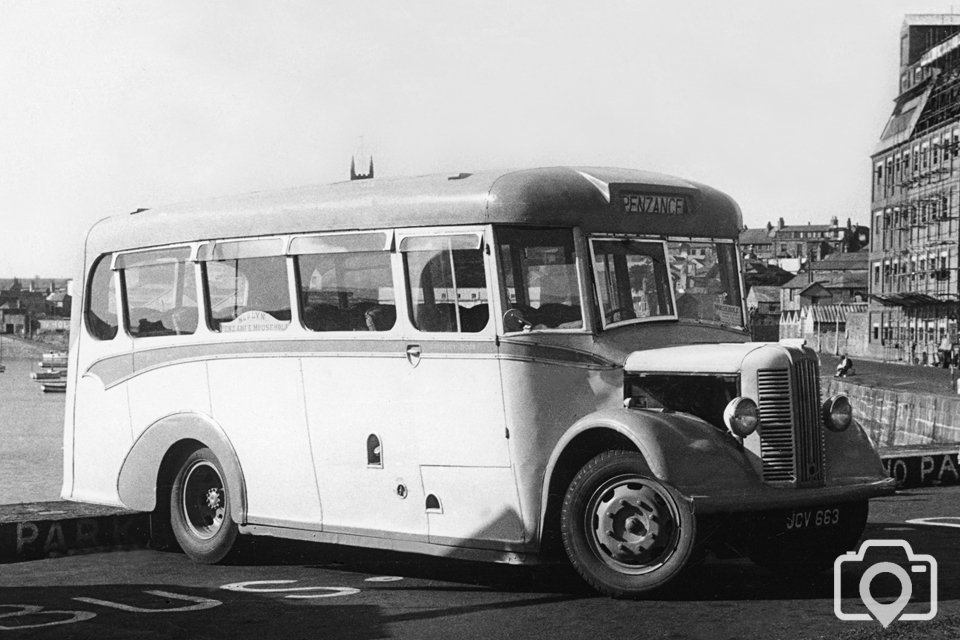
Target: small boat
53	387
53	360
52	374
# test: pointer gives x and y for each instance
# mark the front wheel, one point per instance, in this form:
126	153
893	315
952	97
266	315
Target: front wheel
200	508
627	534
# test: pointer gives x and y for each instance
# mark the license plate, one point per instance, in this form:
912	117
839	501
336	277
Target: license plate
812	518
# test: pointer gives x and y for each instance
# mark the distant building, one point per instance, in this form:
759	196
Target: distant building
793	245
819	301
12	322
916	198
763	303
58	304
764	299
839	278
43	306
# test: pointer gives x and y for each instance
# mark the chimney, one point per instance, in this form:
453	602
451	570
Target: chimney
834	222
780	223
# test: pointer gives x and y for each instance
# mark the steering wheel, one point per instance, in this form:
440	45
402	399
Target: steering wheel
609	315
513	320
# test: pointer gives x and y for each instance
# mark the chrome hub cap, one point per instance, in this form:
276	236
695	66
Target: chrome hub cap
632	525
203	503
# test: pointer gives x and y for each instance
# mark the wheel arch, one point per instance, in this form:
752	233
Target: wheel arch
152	460
579	445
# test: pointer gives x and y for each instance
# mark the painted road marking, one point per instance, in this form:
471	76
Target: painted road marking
938	521
254	587
384	579
200	603
32	609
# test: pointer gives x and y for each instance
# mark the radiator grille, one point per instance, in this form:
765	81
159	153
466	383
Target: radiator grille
776	425
791	432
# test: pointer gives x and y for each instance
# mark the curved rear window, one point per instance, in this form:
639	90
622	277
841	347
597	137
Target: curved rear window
100	309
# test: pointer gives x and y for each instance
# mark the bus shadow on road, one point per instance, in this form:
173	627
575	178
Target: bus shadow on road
721	579
713	580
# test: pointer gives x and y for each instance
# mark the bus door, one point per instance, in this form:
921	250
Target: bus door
454	386
355	378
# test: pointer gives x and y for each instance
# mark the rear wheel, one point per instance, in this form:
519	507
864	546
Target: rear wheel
627	534
200	508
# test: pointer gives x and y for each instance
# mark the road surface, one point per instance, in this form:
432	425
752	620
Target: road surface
289	590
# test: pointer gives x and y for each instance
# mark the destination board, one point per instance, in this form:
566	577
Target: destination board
654	203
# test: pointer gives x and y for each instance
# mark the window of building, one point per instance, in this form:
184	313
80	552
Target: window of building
246	285
346	282
159	292
446	283
101	301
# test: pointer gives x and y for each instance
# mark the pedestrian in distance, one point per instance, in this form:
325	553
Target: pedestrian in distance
844	367
946	350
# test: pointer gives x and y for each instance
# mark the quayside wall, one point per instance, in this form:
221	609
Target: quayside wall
901	418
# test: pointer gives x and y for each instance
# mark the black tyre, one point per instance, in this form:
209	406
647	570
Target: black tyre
627	534
200	508
809	553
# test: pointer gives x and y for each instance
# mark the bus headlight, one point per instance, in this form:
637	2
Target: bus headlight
837	412
741	416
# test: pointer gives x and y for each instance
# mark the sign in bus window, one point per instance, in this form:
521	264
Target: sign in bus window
347	291
247	294
446	284
539	271
160	293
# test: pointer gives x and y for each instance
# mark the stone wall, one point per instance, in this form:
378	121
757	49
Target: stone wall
894	418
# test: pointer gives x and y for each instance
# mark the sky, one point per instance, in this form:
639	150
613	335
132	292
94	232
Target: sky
106	106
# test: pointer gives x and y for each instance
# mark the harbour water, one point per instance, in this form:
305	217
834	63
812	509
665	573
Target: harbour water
31	434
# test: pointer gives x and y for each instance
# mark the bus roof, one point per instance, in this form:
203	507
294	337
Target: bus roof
556	197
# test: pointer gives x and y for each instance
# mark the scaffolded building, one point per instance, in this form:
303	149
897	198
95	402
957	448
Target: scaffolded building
916	199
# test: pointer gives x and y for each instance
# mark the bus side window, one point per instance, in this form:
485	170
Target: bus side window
446	284
248	294
101	301
160	293
347	291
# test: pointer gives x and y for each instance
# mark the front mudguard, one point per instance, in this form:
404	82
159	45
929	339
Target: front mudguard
712	468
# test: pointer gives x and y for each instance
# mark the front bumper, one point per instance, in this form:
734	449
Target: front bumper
765	497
